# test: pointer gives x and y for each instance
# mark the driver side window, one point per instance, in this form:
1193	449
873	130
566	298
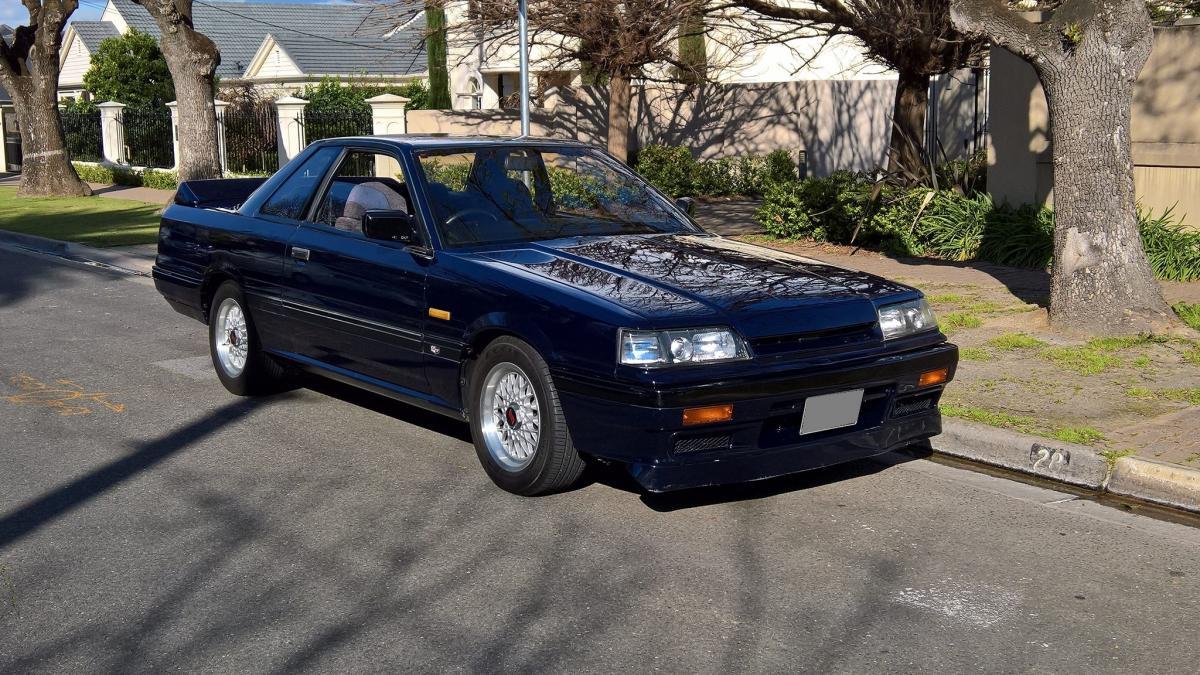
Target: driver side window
364	181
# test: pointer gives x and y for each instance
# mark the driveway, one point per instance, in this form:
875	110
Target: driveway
149	521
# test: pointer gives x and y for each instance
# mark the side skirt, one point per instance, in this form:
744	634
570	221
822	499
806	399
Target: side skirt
373	385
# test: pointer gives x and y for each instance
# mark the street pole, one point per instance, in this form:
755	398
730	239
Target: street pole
523	26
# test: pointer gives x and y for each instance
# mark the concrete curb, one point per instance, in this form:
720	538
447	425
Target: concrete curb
134	263
1078	465
1157	482
1066	462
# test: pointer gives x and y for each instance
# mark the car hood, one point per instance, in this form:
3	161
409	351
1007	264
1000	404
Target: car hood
683	276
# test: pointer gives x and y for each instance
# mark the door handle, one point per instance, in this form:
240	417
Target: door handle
300	253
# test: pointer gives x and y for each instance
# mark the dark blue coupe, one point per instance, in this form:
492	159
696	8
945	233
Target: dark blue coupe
550	296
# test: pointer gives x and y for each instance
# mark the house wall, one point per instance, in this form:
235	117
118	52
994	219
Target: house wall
276	64
1165	128
839	124
76	63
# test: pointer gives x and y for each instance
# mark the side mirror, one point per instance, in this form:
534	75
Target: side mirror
396	225
687	205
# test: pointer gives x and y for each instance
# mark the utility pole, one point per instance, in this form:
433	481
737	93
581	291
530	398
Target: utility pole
523	26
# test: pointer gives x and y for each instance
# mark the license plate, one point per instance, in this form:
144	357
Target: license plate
831	411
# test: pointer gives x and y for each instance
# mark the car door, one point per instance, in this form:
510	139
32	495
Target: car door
255	246
358	303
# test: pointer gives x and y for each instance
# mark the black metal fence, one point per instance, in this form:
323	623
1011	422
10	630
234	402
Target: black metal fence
252	140
320	124
82	131
148	137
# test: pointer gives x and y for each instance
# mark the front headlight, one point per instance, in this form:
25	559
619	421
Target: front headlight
677	347
906	318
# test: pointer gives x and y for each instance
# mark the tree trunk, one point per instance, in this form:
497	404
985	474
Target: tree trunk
192	59
905	154
1102	282
1088	55
29	71
620	101
45	166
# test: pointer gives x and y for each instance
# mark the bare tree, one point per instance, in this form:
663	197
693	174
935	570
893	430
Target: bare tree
1088	54
193	59
613	41
29	71
913	37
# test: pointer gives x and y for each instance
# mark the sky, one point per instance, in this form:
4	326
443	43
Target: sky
13	13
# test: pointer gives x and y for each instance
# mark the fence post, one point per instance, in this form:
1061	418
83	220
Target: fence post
387	114
3	140
290	111
174	107
112	132
221	106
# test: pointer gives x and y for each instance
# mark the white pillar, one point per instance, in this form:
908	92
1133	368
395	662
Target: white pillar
387	117
387	114
174	107
221	106
290	111
4	110
112	132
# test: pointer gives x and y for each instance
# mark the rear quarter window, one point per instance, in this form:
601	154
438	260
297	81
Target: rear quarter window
291	199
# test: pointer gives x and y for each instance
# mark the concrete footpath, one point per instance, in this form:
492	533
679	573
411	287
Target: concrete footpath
1080	466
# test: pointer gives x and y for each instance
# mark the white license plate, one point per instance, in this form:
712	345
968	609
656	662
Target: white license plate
831	411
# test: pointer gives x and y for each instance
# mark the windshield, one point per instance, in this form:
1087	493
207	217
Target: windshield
511	193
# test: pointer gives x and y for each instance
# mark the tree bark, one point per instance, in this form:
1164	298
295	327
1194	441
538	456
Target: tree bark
1101	282
906	151
1088	56
29	71
192	59
620	101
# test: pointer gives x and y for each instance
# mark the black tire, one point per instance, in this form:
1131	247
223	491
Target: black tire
554	465
261	374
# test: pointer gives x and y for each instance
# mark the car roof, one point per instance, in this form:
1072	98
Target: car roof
423	141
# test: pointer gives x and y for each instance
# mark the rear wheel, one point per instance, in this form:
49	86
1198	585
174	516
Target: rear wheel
236	352
517	423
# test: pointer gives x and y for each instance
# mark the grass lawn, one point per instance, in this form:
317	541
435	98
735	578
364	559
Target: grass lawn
95	221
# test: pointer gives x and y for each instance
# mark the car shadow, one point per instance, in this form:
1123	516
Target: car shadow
665	502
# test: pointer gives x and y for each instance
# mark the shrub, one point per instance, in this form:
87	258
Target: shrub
673	170
151	178
1173	251
670	169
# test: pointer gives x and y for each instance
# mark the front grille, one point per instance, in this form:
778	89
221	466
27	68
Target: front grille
912	406
833	339
702	443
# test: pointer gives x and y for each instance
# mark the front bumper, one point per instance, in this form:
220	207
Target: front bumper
644	429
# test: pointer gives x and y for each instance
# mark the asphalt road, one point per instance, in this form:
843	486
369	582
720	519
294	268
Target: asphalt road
149	521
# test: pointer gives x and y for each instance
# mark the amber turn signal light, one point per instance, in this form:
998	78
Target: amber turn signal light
707	415
933	377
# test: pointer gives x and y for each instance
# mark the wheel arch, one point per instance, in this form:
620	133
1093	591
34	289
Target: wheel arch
487	330
213	278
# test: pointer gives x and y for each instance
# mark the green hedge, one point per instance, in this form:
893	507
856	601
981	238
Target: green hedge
673	170
849	208
151	178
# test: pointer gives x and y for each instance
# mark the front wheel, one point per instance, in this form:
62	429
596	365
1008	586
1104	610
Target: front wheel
517	423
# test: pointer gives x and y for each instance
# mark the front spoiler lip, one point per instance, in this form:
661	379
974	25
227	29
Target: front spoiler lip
760	385
725	470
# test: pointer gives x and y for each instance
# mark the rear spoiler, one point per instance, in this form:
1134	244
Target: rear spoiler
216	194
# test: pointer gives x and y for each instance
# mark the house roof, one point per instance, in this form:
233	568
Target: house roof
403	54
318	33
92	33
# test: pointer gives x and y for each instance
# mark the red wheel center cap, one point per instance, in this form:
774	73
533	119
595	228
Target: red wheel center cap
233	338
510	416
